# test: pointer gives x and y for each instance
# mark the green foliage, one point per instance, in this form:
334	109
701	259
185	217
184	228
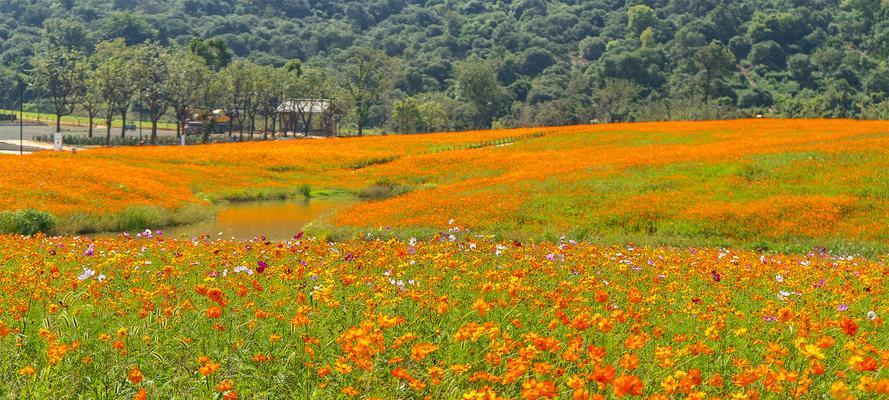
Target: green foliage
477	84
476	58
26	222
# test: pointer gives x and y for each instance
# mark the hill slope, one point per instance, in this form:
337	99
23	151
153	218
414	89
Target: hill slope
815	58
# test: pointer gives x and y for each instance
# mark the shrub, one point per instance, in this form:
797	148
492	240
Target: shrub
383	189
26	222
306	191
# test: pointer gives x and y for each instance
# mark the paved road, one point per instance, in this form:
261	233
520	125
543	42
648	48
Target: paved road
11	131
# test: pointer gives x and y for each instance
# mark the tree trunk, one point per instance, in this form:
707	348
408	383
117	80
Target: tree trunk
265	128
123	125
154	132
90	129
108	129
58	123
178	125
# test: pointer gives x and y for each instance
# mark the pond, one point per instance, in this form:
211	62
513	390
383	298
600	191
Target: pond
275	220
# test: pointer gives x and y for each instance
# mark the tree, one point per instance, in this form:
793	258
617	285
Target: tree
647	38
768	53
312	86
91	101
406	116
715	62
151	73
269	95
110	80
366	77
187	76
237	91
615	98
71	33
57	73
214	52
592	48
640	17
129	26
116	82
433	117
477	85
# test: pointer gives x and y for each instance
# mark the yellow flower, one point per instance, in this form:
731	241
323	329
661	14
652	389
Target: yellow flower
813	351
839	390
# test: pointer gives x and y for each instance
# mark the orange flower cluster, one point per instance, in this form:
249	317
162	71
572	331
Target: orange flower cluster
745	181
365	319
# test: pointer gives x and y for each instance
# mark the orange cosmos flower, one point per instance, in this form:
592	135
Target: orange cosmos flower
214	312
135	376
224	386
533	390
627	385
603	375
849	326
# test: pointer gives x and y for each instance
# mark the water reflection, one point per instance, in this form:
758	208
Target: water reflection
276	220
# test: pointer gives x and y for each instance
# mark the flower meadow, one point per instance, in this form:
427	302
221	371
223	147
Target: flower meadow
757	184
456	315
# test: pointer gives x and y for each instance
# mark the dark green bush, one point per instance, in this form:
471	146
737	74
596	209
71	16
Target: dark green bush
26	222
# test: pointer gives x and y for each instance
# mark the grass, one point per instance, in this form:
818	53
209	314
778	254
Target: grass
133	218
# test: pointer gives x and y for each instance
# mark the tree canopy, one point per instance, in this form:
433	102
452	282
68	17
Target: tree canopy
528	58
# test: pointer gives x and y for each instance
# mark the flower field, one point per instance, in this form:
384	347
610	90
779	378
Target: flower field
703	260
457	316
760	184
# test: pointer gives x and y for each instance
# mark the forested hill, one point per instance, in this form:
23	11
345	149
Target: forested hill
558	61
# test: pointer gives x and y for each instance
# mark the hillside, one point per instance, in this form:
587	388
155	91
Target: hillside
559	62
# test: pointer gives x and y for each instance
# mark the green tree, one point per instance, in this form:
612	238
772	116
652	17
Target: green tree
477	85
187	79
715	62
215	52
615	98
68	32
237	86
367	76
91	101
130	26
433	116
116	81
269	95
406	117
313	86
57	73
151	72
640	17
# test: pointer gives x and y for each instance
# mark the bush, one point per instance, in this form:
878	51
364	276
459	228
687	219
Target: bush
26	222
383	189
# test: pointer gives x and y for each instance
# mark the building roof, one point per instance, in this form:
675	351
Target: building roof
314	106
